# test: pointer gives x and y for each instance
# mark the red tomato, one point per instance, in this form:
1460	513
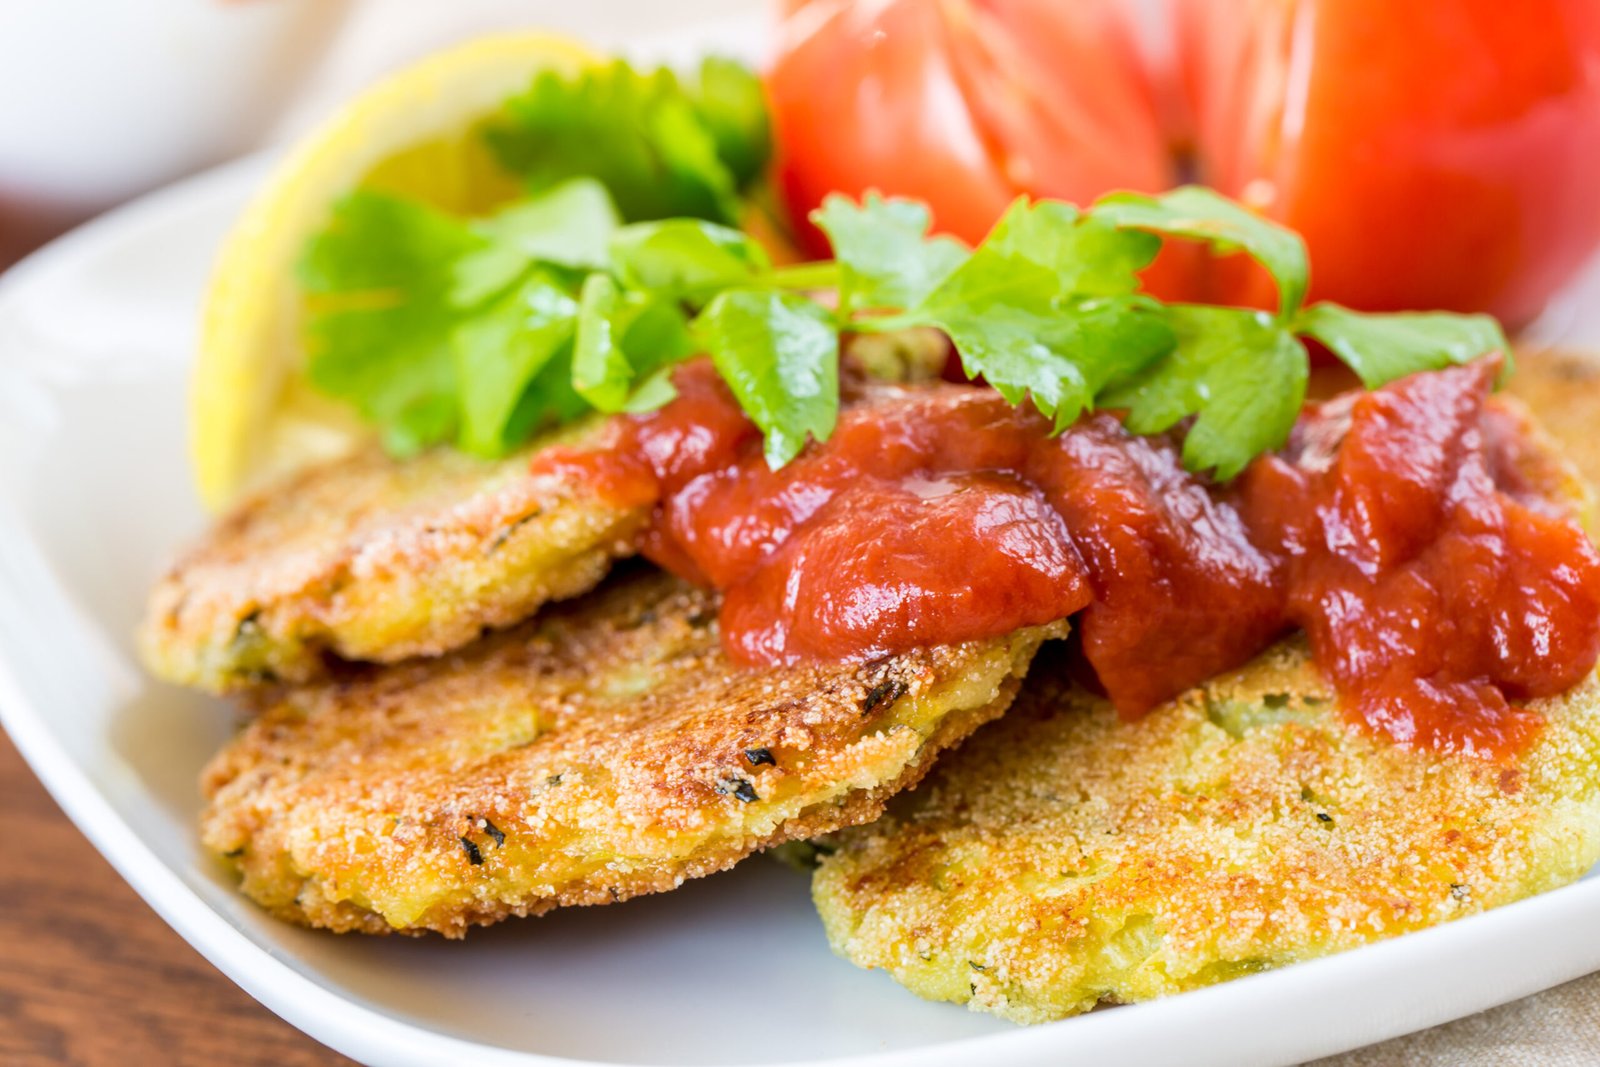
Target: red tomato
961	103
1433	153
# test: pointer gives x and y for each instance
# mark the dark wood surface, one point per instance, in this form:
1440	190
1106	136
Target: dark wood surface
90	976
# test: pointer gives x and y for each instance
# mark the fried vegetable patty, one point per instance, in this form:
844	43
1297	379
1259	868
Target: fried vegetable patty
1563	388
606	749
1062	857
375	558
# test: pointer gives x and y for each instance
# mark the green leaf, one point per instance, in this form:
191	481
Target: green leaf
548	400
779	354
393	365
655	336
988	279
1012	313
601	373
655	390
623	340
500	351
728	97
570	226
1039	253
378	320
1061	357
887	258
1381	348
680	256
1237	370
1089	256
1196	212
375	242
641	135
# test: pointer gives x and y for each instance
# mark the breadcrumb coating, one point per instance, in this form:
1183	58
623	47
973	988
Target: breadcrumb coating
375	558
1563	389
1063	858
604	750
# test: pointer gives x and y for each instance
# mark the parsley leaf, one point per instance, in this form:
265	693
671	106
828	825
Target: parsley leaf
1061	358
680	256
1381	348
622	338
1026	314
779	354
379	320
1089	256
549	400
570	225
990	278
1237	370
886	257
437	328
1196	212
655	336
601	373
731	104
499	352
641	135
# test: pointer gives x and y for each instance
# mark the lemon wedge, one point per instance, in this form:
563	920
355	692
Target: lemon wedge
253	415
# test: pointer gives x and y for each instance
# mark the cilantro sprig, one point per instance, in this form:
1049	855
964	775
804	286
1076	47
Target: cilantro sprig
622	262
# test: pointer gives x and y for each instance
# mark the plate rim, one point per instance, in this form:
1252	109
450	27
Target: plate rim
371	1035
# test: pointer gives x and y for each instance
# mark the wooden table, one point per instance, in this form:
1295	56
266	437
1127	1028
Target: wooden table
89	976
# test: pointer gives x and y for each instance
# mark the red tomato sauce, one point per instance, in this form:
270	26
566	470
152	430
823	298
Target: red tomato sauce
1435	588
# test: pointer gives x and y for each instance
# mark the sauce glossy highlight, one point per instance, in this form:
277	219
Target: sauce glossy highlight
1436	587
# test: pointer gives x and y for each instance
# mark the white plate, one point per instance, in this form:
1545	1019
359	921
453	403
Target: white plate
95	338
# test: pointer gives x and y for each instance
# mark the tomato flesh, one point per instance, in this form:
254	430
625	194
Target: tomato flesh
964	104
1432	155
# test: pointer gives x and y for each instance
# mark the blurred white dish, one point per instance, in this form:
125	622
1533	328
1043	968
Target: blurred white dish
102	99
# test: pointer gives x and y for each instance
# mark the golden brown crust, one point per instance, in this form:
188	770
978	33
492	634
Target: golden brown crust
604	750
1563	388
1062	857
374	558
1540	470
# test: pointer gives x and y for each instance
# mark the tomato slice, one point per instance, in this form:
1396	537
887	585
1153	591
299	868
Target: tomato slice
1432	154
962	103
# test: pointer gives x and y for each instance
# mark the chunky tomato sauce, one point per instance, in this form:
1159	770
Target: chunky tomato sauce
1436	587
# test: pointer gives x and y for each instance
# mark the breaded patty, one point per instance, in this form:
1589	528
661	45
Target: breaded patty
1062	857
375	558
606	749
381	559
1563	388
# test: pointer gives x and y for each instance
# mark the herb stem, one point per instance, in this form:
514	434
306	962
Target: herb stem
885	323
821	275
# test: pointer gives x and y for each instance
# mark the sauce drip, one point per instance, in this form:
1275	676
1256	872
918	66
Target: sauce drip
1434	584
1436	587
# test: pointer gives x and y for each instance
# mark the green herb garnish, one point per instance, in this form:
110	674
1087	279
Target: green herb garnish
622	261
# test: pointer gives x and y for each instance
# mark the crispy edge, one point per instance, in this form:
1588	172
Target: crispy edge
284	828
386	587
1063	858
1563	389
857	807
